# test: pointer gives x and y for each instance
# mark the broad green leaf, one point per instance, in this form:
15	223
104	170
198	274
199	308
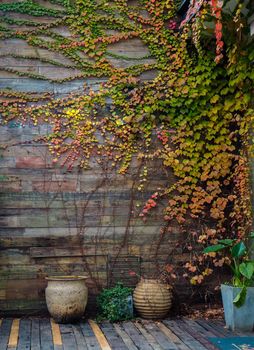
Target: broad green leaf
252	234
214	248
238	250
247	269
240	298
226	241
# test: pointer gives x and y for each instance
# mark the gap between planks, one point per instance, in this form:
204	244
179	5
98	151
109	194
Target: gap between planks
99	335
14	334
56	334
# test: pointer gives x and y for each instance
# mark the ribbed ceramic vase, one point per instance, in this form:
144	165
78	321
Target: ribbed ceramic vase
152	299
66	297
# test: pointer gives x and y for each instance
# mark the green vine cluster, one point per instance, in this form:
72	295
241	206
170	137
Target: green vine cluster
194	116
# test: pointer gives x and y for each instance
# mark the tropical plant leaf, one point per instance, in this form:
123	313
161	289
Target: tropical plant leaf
214	248
238	250
247	269
240	298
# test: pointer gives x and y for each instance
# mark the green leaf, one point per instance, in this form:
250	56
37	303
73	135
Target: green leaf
214	248
119	122
240	298
147	109
252	234
226	241
238	250
224	91
247	269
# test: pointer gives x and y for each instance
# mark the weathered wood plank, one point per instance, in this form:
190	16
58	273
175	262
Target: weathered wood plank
99	335
125	337
149	337
115	341
187	338
194	324
61	218
80	340
137	337
5	333
35	335
198	333
86	232
206	325
115	197
59	252
130	48
68	338
165	343
21	306
219	327
173	338
14	334
46	335
24	342
23	288
56	334
91	340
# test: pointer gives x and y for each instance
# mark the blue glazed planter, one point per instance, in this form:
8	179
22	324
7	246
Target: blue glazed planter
238	318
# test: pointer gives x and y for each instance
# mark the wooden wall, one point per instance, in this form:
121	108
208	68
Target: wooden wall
56	222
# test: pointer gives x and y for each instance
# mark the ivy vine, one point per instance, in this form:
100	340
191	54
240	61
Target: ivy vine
194	116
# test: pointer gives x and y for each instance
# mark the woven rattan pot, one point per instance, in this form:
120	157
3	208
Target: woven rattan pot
152	299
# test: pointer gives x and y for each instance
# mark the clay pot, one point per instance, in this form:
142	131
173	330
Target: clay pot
66	297
152	299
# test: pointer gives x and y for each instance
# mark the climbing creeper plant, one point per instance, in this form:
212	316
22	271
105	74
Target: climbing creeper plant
194	116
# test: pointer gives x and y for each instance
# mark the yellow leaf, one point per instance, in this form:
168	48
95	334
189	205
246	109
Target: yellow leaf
215	98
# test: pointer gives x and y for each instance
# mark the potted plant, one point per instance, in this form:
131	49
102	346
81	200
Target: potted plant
238	295
115	304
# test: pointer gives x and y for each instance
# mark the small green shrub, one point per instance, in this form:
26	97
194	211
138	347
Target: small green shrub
114	304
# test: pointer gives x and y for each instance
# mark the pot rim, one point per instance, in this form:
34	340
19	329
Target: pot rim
153	280
231	286
66	278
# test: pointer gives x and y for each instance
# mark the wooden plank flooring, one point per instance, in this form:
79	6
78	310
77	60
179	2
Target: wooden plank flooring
45	334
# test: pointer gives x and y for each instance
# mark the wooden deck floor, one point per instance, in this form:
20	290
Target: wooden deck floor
44	334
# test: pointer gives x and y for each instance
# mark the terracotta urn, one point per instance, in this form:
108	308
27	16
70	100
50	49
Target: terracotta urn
152	299
66	297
